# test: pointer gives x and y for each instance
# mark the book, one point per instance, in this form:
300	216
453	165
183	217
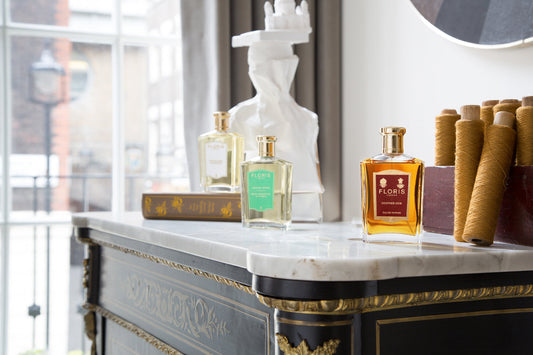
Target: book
515	222
192	206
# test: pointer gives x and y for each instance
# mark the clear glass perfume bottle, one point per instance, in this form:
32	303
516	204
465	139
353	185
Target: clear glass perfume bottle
266	195
221	154
391	192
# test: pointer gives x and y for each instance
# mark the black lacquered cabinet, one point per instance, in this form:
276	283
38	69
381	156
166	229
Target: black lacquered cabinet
170	287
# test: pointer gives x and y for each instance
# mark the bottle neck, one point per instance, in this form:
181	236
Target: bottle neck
221	125
266	149
221	121
393	144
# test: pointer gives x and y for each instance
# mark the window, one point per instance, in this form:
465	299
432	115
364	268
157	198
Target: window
91	117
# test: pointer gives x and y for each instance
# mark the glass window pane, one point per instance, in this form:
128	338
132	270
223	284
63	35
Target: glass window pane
61	126
94	15
155	150
143	17
33	276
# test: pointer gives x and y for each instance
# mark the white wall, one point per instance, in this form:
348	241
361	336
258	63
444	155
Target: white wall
398	71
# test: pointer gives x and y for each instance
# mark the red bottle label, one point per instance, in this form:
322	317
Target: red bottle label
391	195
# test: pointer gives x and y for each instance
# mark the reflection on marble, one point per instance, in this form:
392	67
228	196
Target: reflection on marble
320	252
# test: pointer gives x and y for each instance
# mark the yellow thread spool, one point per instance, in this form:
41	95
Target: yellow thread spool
524	132
445	137
508	105
486	114
468	146
487	196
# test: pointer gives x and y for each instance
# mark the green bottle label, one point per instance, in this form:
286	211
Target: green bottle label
261	190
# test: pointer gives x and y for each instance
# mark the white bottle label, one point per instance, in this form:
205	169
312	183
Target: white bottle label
216	160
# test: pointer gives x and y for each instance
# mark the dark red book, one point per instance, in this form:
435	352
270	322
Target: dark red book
515	224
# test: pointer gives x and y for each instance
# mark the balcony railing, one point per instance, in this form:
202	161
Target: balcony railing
33	225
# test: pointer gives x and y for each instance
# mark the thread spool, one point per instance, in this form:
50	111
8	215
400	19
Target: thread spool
468	145
508	105
524	132
486	114
445	137
487	196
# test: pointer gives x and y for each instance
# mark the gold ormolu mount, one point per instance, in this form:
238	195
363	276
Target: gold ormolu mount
266	145
221	120
392	139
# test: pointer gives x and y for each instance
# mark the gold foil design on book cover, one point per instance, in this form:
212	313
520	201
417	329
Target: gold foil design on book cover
201	206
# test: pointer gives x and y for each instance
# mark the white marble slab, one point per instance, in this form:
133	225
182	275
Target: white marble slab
319	252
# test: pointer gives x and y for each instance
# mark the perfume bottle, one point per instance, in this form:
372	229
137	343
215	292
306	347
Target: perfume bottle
221	154
266	194
391	192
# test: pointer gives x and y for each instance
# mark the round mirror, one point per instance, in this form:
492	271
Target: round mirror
480	23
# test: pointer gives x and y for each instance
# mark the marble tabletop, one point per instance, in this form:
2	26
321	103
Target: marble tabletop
318	252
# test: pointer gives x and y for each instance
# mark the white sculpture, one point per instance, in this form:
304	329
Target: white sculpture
273	111
287	17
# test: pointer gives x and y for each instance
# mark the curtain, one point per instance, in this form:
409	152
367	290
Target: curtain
215	77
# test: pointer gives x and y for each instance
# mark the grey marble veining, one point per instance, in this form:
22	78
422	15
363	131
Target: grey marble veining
320	252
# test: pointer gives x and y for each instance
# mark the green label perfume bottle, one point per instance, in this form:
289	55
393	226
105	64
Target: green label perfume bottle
266	194
391	192
221	153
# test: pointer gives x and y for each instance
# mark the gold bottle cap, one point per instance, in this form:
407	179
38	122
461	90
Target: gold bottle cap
392	139
266	145
221	120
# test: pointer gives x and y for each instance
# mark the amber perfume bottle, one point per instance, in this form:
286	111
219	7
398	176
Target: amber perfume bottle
391	192
266	194
221	154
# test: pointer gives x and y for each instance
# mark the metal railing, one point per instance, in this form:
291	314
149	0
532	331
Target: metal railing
135	183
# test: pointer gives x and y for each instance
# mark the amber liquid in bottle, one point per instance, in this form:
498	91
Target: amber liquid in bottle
391	192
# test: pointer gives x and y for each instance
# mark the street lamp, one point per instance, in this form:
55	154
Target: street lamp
47	89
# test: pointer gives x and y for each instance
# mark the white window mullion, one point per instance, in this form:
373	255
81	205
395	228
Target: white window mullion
118	167
5	120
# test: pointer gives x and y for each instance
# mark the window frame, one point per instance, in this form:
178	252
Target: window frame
117	40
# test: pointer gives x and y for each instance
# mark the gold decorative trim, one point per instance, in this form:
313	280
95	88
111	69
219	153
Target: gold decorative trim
346	306
380	303
180	267
314	324
150	339
328	348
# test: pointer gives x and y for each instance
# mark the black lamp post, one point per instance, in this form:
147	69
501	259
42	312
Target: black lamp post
47	89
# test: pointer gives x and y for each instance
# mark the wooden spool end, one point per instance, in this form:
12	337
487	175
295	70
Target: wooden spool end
504	118
470	112
448	111
489	103
527	101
